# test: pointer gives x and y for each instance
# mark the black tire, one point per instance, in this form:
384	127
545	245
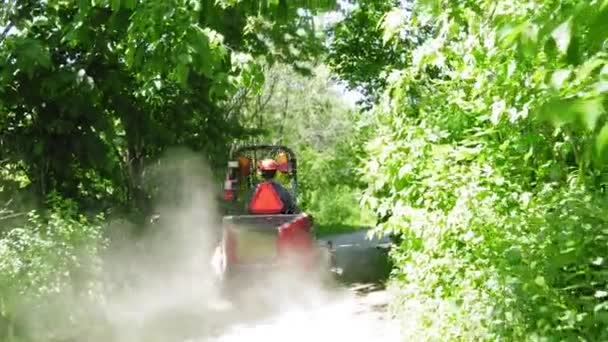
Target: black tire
326	265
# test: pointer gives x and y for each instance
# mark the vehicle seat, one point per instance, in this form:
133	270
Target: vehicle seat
266	201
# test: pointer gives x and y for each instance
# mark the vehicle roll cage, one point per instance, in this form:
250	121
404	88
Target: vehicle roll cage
235	152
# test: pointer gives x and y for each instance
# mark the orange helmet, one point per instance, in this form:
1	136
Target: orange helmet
283	158
283	162
268	165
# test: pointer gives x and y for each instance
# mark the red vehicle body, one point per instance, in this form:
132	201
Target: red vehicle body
254	242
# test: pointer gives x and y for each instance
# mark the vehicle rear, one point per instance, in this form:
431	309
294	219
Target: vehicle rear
265	242
259	236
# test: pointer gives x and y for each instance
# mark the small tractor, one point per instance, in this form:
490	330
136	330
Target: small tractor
258	235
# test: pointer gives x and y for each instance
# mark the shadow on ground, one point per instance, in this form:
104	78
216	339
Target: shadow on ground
360	259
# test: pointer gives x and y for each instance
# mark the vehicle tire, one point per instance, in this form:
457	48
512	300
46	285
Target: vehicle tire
326	263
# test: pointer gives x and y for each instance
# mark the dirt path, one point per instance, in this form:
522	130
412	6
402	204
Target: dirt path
358	314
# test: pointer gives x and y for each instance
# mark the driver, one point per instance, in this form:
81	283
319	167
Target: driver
268	168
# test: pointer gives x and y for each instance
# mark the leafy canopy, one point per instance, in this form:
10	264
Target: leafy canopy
488	159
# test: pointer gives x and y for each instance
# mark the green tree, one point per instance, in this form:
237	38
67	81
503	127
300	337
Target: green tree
357	50
93	92
488	158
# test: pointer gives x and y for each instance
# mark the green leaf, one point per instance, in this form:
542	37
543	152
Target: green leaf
115	5
540	281
573	55
589	66
558	112
591	110
601	141
39	148
431	5
529	154
529	39
507	35
566	111
84	5
184	58
31	53
130	4
182	72
513	255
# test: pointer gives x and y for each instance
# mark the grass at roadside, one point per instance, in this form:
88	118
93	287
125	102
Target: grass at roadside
322	230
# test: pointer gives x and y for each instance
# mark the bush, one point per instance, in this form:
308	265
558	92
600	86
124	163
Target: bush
484	258
330	189
489	159
49	271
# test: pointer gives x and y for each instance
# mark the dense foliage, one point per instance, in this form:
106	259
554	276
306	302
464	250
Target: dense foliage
92	93
489	162
357	52
50	270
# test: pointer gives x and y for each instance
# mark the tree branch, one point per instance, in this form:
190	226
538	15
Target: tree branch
10	216
5	31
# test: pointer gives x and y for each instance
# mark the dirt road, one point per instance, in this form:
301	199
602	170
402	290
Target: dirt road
358	314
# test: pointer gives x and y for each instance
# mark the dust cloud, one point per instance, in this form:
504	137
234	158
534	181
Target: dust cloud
161	280
161	285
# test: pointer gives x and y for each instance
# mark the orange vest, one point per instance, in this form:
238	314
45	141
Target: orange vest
265	200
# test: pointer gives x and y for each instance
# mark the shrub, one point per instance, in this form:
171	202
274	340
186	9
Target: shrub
488	159
49	272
